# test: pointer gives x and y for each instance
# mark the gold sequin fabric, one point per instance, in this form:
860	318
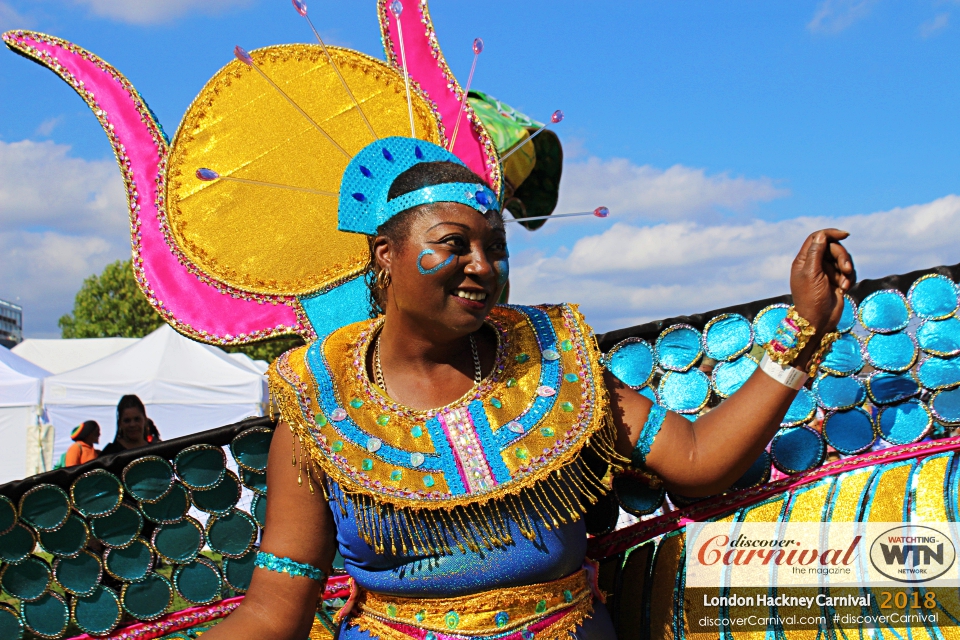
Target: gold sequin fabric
549	611
510	450
273	240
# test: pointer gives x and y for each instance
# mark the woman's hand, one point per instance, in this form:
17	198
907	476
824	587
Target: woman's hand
821	273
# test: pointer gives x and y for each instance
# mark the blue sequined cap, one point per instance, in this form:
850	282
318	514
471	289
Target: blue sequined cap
363	205
271	562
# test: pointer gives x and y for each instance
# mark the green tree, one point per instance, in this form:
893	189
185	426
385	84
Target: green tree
111	305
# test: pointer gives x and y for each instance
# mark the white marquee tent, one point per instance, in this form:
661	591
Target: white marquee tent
21	450
57	356
186	386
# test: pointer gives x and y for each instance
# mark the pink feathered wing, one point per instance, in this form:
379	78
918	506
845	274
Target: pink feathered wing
429	69
192	303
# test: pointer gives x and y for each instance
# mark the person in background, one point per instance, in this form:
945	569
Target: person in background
84	437
131	426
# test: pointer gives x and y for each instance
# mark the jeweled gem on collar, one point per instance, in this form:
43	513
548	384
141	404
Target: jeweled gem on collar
374	444
428	481
392	610
452	619
526	634
541	606
567	596
566	406
550	354
512	382
515	426
566	345
337	445
546	392
421	615
396	475
571	377
495	402
416	459
416	431
547	432
367	464
356	403
522	358
321	420
521	453
501	619
383	419
338	414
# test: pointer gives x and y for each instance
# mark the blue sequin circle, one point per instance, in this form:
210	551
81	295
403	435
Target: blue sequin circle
638	497
891	351
939	373
835	393
939	337
884	311
801	409
889	388
849	316
849	432
631	361
945	406
678	348
933	297
765	323
844	357
904	423
684	392
730	376
727	336
797	449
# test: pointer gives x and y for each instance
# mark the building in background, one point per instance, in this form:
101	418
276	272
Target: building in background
11	324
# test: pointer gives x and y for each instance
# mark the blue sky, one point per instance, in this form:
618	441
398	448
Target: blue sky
719	134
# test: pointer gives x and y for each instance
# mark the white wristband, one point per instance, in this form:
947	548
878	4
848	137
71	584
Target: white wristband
785	375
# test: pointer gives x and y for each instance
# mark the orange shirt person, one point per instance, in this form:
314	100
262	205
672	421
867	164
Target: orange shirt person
84	436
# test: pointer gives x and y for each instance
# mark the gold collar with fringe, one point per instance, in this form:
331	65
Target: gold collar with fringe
511	449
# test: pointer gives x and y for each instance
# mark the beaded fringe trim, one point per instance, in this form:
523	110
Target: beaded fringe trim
556	495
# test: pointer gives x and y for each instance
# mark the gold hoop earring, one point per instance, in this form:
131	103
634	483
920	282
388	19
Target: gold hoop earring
383	279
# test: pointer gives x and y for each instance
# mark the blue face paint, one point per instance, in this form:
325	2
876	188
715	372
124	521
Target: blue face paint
503	271
432	270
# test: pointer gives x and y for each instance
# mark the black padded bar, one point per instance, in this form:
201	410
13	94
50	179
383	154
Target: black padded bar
115	463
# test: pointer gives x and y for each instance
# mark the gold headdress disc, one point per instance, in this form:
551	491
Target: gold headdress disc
272	240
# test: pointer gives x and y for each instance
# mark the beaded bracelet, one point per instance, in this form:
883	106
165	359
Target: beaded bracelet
790	338
271	562
649	431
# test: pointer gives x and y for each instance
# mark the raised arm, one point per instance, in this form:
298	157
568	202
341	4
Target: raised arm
705	457
299	526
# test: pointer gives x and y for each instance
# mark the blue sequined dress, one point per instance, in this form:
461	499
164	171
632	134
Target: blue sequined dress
555	553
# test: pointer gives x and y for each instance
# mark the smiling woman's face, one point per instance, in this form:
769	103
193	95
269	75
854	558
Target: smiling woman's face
449	270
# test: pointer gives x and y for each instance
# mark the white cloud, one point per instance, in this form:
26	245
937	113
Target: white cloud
62	219
651	193
156	11
41	185
46	127
833	16
632	274
935	25
11	19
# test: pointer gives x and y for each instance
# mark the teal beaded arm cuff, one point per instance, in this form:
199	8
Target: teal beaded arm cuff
649	431
271	562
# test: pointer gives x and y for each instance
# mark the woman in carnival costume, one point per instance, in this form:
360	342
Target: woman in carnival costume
446	445
457	443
